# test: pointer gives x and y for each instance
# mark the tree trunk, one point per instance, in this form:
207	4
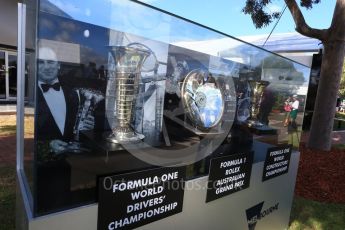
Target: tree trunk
331	70
324	111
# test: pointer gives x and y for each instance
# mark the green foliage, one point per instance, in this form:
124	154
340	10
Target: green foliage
260	14
342	83
272	62
339	121
307	214
309	3
340	115
279	101
275	62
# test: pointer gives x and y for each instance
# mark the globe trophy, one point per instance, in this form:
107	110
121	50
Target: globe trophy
128	63
203	100
257	88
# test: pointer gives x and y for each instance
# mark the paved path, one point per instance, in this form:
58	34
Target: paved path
338	137
7	142
7	149
7	109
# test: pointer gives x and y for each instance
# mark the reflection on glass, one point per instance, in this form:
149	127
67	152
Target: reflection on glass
12	75
257	88
2	75
29	144
154	104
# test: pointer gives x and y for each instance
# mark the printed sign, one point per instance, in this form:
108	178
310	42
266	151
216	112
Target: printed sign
229	174
277	162
131	200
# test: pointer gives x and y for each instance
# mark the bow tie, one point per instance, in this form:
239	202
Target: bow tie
46	87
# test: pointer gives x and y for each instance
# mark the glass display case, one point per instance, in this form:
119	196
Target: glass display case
122	87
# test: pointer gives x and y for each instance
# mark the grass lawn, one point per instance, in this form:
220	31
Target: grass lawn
8	173
340	115
339	146
7	197
339	123
8	125
312	215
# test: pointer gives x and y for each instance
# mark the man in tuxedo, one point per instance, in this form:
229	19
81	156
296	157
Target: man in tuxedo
57	105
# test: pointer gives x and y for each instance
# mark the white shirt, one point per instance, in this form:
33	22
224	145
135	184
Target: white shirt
57	105
295	105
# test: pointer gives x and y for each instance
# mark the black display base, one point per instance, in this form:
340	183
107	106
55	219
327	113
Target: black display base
98	141
109	158
263	130
117	159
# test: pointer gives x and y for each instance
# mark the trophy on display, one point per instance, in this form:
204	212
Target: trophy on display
88	102
203	100
128	63
257	88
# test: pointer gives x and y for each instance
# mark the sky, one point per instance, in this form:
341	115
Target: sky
222	15
226	15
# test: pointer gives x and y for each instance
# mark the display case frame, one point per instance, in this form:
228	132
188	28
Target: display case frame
78	171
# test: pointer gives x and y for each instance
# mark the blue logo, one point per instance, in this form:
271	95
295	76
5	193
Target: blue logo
254	214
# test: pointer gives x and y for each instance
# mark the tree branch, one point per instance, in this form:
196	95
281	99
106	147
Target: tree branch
301	26
338	20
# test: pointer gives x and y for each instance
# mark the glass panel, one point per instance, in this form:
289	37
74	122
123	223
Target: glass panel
29	119
122	87
2	75
29	145
12	75
28	75
29	106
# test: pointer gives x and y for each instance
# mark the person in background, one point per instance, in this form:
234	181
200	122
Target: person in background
287	109
266	105
294	111
338	105
342	106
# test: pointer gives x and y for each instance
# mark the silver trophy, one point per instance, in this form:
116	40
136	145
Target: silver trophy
88	102
128	63
258	88
203	100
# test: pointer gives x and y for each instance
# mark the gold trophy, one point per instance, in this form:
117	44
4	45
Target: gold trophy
128	63
258	88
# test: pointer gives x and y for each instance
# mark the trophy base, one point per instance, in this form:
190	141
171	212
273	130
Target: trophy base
76	147
118	136
254	123
207	133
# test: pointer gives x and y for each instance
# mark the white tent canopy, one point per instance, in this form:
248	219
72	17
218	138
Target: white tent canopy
291	45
